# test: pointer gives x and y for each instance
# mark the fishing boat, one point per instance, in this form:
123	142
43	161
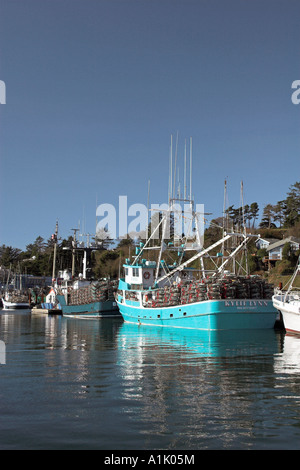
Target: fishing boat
92	299
287	302
157	292
82	297
221	303
15	300
15	297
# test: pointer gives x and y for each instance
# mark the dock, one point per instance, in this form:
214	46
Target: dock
46	311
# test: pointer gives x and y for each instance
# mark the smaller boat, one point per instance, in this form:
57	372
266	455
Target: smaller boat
95	299
82	297
15	300
15	297
288	304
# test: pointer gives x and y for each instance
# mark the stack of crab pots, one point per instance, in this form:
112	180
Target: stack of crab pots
100	291
229	287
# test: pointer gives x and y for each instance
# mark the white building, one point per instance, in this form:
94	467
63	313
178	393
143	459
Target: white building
275	249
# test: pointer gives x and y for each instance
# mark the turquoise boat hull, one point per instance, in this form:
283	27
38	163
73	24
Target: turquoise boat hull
108	308
205	315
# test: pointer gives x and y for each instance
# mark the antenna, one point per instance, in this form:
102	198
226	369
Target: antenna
96	214
245	230
191	168
224	204
176	148
185	169
73	250
148	209
83	219
54	237
178	190
243	209
171	169
224	209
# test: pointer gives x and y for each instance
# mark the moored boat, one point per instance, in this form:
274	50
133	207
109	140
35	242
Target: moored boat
82	297
15	300
288	304
15	297
94	300
224	303
163	293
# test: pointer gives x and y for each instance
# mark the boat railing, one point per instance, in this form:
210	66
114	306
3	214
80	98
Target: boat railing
287	296
294	294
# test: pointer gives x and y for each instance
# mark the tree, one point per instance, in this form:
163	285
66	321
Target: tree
234	214
36	248
247	214
292	205
103	238
267	218
286	251
279	212
9	256
253	212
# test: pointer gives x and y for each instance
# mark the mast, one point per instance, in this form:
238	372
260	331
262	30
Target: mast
176	148
165	221
193	258
231	256
243	209
244	224
185	169
8	276
224	209
147	234
199	244
54	237
175	194
73	250
96	215
171	169
191	168
84	263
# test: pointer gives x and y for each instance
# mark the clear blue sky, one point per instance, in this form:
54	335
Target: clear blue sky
95	88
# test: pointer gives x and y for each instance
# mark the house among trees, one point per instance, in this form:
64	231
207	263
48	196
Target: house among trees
264	243
275	250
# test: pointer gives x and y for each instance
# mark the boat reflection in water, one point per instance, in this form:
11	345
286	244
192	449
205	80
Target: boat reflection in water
195	389
170	345
289	361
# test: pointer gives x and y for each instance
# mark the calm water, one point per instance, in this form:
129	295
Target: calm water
103	384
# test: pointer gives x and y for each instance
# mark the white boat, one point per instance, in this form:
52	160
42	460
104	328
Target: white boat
14	297
13	301
288	304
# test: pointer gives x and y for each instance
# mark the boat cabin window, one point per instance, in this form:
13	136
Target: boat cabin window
135	272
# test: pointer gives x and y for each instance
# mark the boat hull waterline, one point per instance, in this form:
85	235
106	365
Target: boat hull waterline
206	315
14	305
